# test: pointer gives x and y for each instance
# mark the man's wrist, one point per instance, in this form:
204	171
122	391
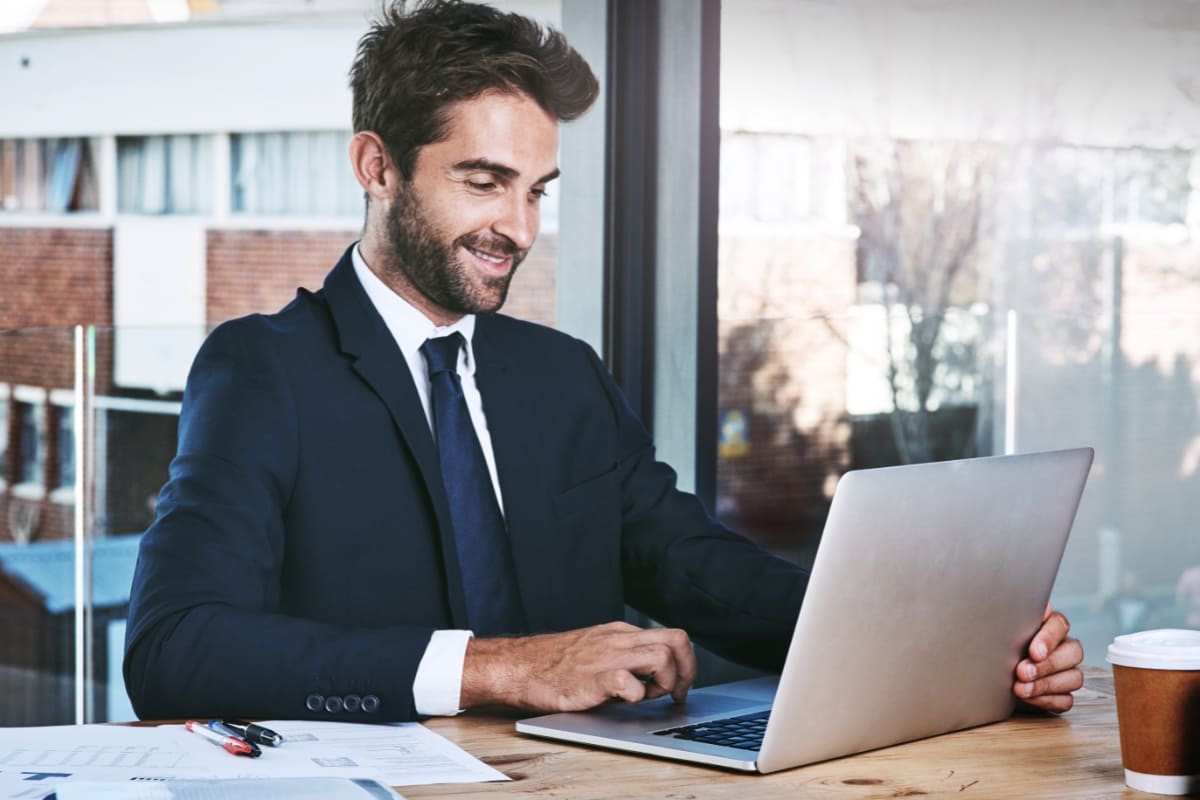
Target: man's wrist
490	673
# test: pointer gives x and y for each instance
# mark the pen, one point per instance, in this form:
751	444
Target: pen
223	729
253	733
231	744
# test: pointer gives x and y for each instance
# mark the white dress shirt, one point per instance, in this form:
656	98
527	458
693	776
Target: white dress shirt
437	686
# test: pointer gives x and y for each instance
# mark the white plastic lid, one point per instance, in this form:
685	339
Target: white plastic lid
1169	648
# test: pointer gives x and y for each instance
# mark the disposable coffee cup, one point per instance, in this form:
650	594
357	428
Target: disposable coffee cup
1156	675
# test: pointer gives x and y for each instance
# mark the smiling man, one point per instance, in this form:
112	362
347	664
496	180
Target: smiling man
391	501
449	237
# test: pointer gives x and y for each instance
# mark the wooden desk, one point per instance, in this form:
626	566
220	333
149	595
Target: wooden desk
1074	756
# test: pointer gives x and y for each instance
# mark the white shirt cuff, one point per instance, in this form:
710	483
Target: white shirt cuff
438	685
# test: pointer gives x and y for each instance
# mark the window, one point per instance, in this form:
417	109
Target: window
1082	188
56	175
65	447
781	179
164	174
293	173
31	430
1015	274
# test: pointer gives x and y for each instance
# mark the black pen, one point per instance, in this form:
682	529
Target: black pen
254	733
225	730
231	744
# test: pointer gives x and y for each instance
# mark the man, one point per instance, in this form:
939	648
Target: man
386	465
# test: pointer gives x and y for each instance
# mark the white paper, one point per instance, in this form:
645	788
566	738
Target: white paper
398	754
227	789
34	761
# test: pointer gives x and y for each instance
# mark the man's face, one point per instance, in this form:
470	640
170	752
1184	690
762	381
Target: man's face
458	230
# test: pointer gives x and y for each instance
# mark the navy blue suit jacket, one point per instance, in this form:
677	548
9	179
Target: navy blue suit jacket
301	546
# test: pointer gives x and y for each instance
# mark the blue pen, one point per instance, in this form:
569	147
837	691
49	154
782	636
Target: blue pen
225	730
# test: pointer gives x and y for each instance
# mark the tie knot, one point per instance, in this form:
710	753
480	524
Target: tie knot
441	354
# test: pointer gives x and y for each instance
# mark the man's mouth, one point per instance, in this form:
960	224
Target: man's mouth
491	262
488	256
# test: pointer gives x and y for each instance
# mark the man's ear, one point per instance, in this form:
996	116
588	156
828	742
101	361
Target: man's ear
372	165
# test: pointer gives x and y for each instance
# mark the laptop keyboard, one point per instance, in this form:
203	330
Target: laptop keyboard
744	732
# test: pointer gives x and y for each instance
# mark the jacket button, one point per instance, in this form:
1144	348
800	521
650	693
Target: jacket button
314	702
333	704
352	702
370	704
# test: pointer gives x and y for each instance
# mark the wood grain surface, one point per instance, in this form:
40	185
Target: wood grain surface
1076	755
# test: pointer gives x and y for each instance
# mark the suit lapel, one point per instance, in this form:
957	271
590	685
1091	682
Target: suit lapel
512	424
365	339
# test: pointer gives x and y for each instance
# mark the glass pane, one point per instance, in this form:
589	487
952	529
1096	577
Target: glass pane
65	447
134	437
31	442
926	254
37	599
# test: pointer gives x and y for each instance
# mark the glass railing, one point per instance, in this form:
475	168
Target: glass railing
88	420
89	417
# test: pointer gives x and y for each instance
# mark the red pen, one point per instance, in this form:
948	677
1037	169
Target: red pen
236	747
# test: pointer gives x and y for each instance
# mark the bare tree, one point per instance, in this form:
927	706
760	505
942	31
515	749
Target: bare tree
921	208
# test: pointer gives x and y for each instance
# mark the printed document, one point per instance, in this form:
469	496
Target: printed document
34	761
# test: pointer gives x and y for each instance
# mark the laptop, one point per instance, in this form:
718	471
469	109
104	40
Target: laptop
928	584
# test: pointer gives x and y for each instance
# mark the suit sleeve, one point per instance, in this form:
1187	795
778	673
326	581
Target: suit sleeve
206	636
683	568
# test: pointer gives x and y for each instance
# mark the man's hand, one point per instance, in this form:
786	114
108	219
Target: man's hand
578	669
1047	677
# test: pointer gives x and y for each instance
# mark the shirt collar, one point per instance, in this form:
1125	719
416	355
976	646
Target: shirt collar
408	326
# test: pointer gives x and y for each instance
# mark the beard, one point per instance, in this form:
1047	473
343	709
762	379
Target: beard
419	254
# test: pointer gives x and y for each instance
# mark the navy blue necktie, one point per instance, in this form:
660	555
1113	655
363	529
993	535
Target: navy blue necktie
484	554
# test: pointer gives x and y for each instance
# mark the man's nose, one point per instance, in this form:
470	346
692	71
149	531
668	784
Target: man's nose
519	223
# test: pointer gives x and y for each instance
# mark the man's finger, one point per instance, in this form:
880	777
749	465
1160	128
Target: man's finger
1067	655
1054	629
654	661
654	691
1059	683
682	655
1058	703
674	638
622	684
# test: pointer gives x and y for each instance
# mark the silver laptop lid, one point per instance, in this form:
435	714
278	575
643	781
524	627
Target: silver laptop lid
929	581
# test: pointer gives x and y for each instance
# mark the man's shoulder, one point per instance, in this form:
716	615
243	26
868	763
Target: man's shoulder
307	313
522	336
299	333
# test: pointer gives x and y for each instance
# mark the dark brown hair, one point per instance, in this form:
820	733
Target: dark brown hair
410	67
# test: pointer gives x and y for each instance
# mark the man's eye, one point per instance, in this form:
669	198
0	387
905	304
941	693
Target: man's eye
539	193
482	186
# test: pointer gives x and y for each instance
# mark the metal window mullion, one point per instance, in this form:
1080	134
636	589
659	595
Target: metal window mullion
85	359
632	161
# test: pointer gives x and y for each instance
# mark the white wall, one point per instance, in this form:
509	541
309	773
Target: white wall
195	77
1080	71
232	73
